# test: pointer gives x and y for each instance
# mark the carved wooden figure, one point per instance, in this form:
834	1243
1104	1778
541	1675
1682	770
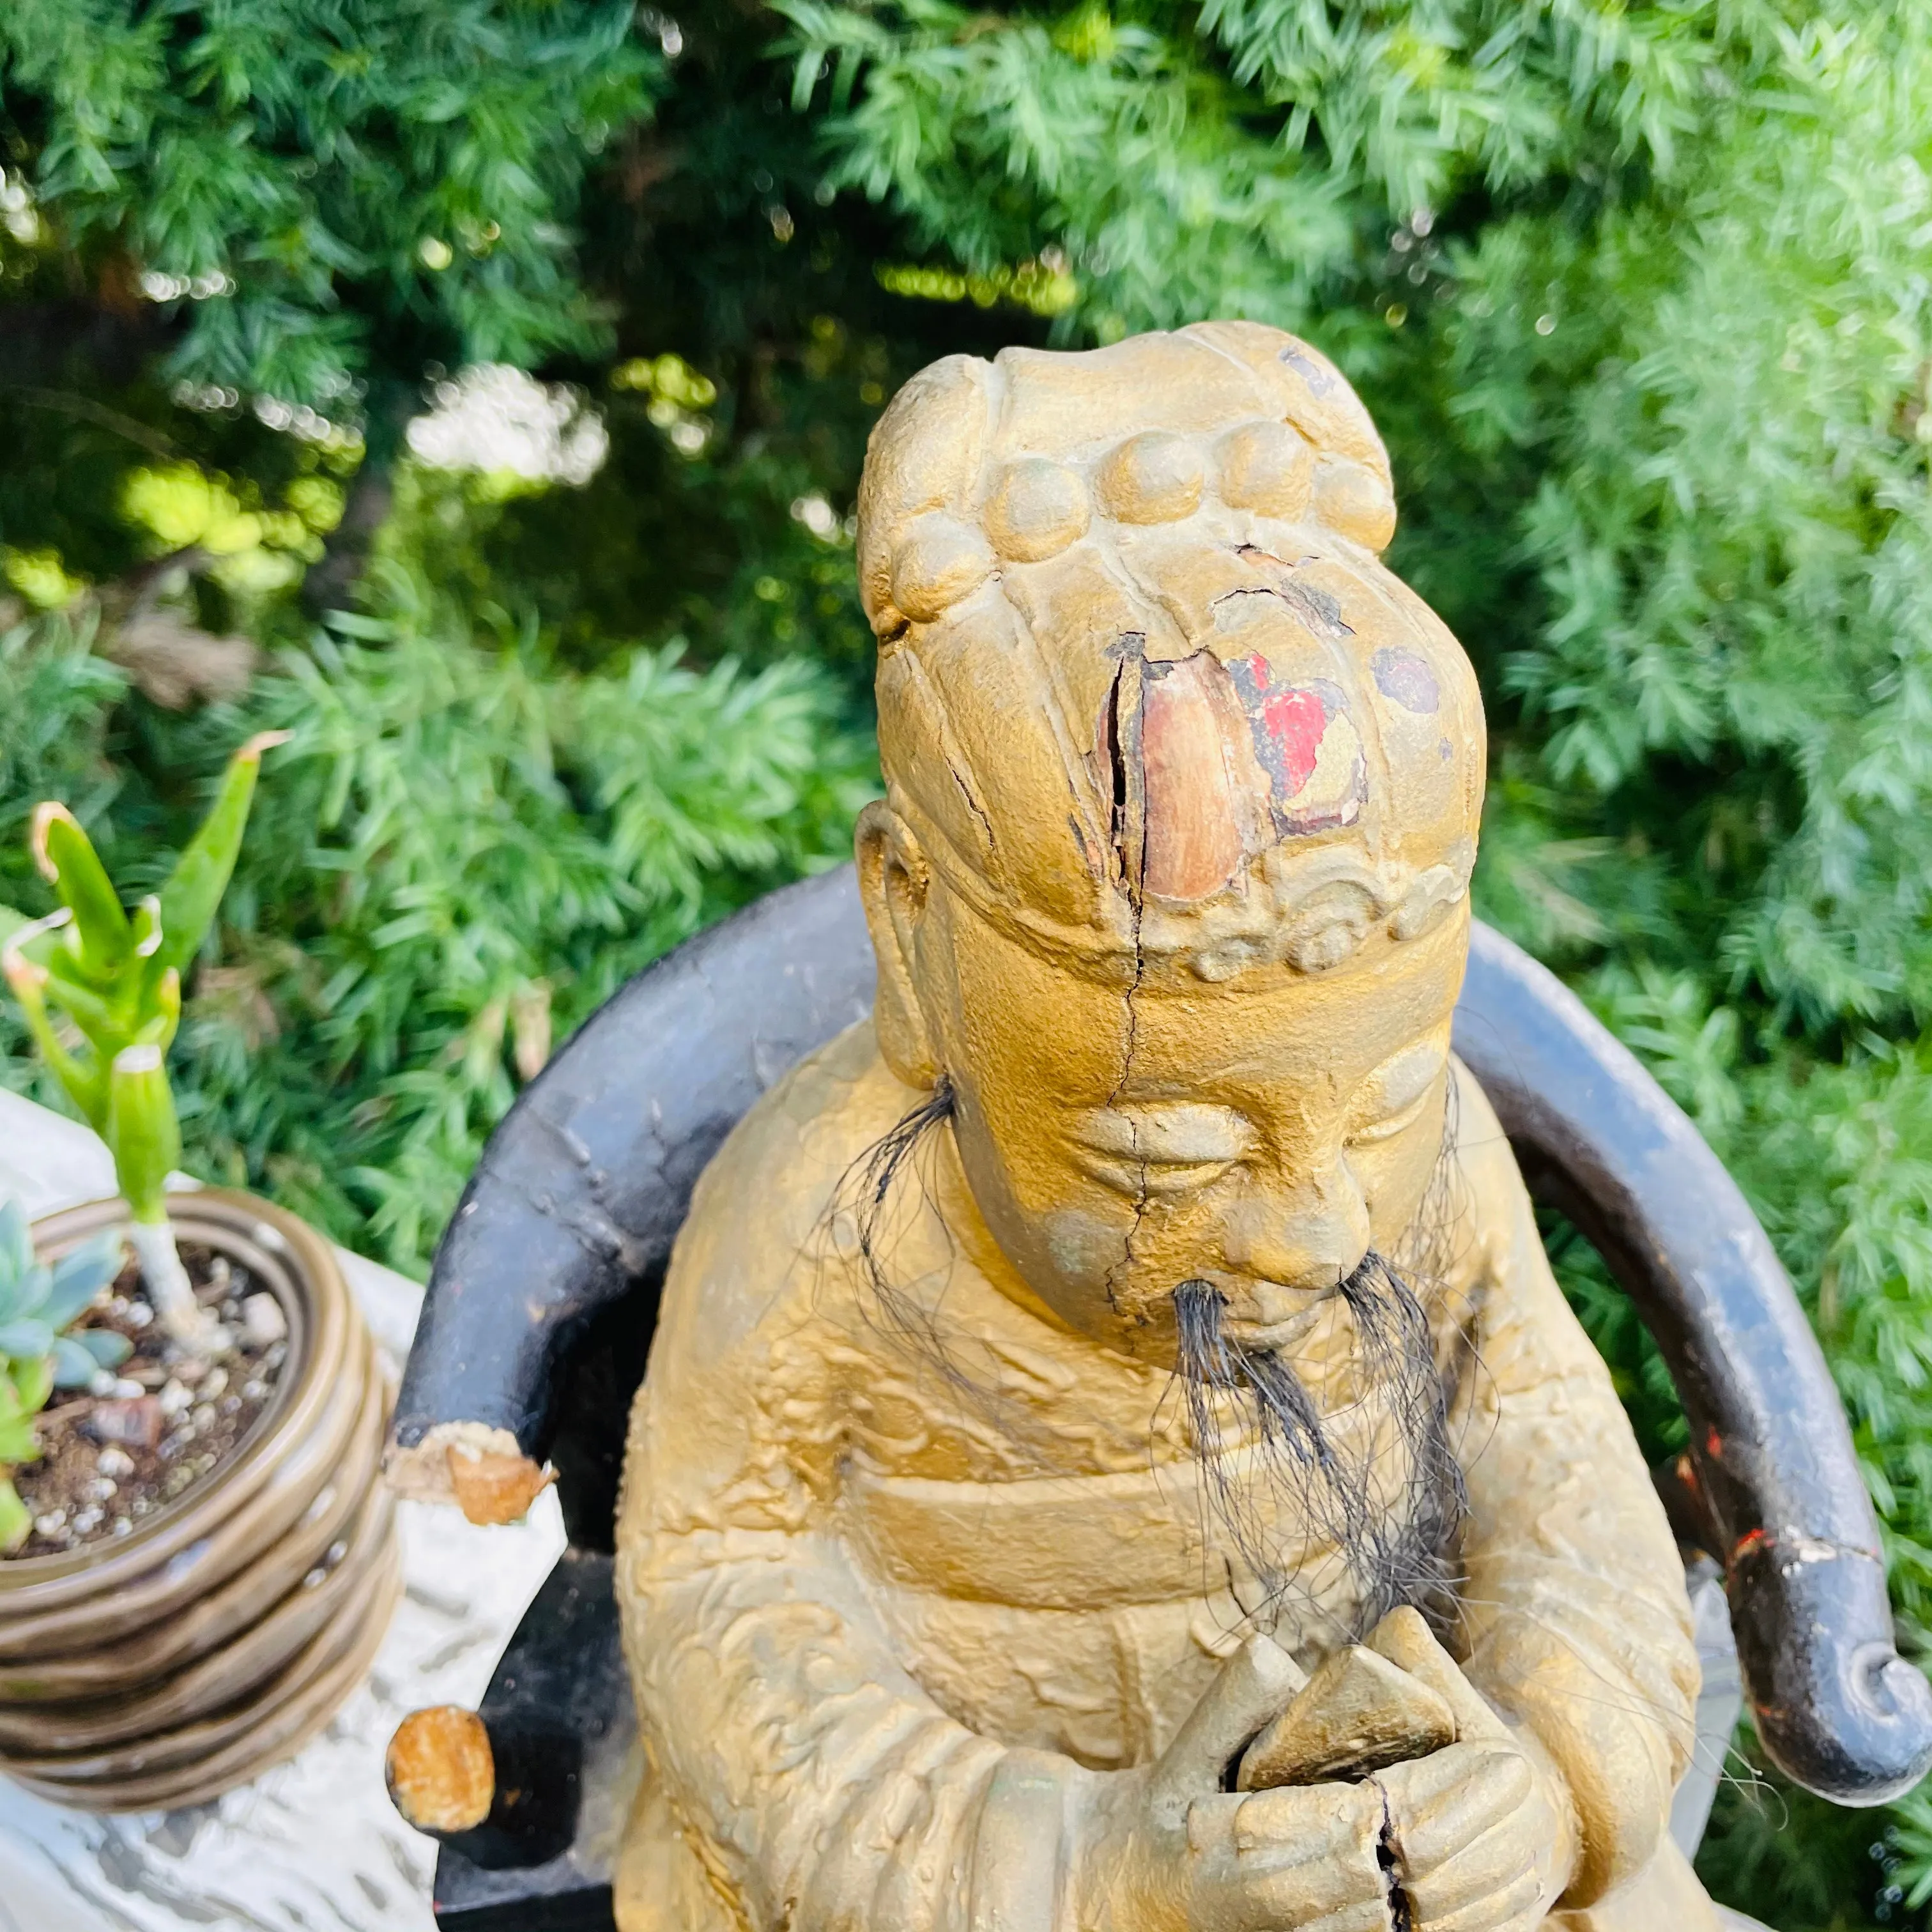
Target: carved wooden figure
1136	1340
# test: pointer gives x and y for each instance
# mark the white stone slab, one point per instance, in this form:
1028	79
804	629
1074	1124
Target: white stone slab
313	1846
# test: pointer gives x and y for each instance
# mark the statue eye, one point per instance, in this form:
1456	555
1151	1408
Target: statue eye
1139	1180
1395	1096
1165	1151
1184	1177
1389	1125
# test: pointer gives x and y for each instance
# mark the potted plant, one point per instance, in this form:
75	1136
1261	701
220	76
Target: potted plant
197	1562
39	1306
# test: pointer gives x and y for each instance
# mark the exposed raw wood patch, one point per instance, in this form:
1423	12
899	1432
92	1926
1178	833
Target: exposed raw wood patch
441	1772
1195	821
1357	1714
1176	750
491	1487
427	1471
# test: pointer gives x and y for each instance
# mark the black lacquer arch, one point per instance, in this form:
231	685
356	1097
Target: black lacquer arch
1774	1487
543	1296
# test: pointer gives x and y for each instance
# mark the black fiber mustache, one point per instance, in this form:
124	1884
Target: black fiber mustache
1397	1550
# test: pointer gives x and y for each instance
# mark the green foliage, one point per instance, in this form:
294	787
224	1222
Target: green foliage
1638	293
1803	1862
466	848
116	981
1234	162
1732	535
38	1305
314	194
55	697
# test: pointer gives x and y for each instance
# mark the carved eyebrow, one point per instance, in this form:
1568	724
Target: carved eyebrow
1402	1079
1184	1131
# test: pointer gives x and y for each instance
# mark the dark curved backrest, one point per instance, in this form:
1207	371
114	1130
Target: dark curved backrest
543	1295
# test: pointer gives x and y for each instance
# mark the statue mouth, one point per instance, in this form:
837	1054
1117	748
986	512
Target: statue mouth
1269	1318
1236	1377
1275	1338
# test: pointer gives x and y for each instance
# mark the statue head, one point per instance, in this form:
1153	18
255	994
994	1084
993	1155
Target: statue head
1169	886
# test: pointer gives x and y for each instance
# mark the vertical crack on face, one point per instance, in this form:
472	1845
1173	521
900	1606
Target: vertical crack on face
1132	1019
1120	744
1119	753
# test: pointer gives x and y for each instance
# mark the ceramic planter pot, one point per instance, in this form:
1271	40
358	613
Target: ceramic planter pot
161	1667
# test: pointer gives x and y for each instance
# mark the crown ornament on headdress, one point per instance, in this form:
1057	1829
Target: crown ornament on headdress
1144	684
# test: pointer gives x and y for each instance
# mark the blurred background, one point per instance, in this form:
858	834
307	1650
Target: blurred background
478	388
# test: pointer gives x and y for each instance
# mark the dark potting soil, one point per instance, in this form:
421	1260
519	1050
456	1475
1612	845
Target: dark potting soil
111	1457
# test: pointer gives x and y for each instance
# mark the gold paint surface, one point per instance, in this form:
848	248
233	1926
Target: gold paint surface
939	1614
1359	1713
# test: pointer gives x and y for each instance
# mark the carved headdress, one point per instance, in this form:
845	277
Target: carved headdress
1144	685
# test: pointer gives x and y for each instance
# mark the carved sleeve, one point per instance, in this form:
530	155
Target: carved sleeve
1575	1617
816	1781
826	1790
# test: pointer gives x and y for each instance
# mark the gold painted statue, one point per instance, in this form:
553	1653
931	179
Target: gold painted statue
1114	1458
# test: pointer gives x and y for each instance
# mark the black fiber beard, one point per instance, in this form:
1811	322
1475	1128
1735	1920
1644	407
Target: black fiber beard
1397	1549
1403	1552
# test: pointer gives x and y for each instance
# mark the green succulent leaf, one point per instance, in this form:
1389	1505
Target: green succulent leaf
16	1247
25	1296
38	939
25	1339
83	1077
27	1384
67	854
145	926
160	1013
108	1346
17	1523
82	1276
93	1012
74	1366
142	1130
79	1358
190	898
119	981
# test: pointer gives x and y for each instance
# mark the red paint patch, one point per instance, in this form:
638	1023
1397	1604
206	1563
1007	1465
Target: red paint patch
1290	725
1292	718
1295	720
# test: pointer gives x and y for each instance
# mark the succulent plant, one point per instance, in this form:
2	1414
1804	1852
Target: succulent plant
116	980
38	1305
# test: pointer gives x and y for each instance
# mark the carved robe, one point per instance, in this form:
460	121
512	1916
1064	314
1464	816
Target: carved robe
887	1604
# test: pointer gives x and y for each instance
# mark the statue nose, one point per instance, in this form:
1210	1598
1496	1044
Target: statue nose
1309	1236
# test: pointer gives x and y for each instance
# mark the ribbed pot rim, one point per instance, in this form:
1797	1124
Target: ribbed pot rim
38	1686
290	1259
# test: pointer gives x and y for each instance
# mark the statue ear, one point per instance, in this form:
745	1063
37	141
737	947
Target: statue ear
892	880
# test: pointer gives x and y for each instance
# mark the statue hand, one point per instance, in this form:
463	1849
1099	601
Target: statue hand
1167	1848
1463	1828
1455	1844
